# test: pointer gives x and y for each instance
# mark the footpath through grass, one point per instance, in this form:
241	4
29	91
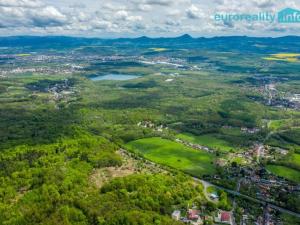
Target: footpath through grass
176	155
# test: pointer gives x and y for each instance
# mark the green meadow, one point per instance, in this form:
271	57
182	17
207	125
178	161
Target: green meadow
295	159
175	155
286	172
208	140
59	142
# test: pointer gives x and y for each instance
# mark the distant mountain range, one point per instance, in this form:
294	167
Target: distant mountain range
184	41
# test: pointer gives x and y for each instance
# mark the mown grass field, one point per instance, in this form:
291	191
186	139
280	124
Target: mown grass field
176	155
282	171
283	124
207	140
295	159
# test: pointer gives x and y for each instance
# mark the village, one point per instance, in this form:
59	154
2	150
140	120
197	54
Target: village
250	176
198	217
243	171
250	170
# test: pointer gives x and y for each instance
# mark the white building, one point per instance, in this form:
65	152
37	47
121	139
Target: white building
176	215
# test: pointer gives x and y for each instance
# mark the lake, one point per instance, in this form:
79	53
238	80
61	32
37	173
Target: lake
114	77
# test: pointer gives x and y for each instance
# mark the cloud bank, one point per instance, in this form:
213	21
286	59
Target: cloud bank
120	18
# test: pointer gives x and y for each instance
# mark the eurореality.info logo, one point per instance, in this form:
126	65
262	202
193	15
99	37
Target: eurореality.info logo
287	15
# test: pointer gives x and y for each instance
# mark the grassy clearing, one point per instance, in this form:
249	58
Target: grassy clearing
231	131
282	171
211	189
23	55
295	159
208	140
239	160
283	124
286	57
276	124
175	155
158	49
289	220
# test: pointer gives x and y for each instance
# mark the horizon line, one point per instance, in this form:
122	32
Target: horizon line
148	37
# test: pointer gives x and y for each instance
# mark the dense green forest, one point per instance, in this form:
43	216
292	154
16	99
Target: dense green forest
49	184
61	135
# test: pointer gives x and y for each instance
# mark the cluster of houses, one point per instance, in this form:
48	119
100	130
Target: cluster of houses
19	60
267	185
251	155
194	146
59	90
149	124
65	62
259	151
195	217
173	62
254	154
295	100
244	129
4	72
250	130
253	177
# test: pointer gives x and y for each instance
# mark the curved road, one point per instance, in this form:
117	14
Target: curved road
236	193
263	202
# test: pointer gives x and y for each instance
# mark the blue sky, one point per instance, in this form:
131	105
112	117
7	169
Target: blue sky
132	18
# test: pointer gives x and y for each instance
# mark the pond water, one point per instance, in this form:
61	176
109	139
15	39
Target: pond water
114	77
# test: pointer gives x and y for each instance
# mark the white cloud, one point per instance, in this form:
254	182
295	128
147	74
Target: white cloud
152	17
121	15
193	12
264	3
21	3
170	22
47	16
102	25
159	2
144	7
29	13
124	15
154	2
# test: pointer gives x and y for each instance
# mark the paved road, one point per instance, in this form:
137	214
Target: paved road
260	152
266	215
236	193
263	202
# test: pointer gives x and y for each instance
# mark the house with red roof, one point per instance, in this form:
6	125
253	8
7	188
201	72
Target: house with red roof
224	217
193	214
194	218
